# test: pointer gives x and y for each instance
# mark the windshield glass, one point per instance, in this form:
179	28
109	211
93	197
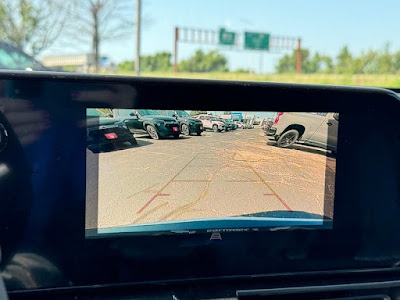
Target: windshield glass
213	41
147	112
182	114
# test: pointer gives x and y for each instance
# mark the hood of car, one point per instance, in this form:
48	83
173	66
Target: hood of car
190	119
158	118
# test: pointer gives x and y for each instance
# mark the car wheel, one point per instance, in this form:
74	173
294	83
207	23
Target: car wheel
288	138
185	129
215	128
152	131
198	133
176	136
133	142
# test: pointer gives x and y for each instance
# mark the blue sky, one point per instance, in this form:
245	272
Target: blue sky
324	26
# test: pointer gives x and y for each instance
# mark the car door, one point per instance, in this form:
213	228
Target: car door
131	119
326	135
206	121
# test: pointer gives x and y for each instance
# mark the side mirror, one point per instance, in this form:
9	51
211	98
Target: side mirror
110	115
133	114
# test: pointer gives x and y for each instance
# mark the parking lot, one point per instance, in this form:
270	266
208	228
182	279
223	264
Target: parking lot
213	175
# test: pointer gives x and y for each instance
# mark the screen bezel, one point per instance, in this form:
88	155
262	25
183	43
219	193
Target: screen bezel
194	251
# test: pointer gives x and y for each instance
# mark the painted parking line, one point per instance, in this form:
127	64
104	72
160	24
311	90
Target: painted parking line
159	193
281	200
151	200
269	187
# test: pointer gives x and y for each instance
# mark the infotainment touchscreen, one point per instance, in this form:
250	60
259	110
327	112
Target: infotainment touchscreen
152	171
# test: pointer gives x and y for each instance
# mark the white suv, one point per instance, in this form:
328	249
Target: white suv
314	128
210	122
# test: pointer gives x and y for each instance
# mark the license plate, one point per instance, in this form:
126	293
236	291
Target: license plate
111	136
174	128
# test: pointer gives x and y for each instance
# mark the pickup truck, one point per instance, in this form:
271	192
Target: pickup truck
312	128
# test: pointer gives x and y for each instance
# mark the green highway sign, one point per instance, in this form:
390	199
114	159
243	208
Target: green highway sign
256	41
226	37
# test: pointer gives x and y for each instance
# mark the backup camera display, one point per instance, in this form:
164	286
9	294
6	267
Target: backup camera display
186	171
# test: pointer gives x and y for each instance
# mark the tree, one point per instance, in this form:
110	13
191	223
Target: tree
287	64
33	25
344	61
100	20
212	61
127	65
161	61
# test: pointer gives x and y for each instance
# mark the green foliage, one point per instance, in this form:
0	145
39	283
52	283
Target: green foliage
367	62
161	61
197	112
309	64
127	65
211	61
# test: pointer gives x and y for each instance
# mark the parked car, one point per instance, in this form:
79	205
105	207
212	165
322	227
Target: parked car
105	132
148	121
187	124
210	122
12	58
228	125
318	129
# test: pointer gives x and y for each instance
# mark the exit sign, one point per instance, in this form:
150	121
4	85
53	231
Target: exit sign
226	37
256	41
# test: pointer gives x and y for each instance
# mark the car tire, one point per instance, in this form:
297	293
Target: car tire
176	136
198	133
152	131
288	138
215	128
185	129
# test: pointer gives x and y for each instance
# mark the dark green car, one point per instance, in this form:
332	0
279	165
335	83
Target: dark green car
149	121
187	124
103	132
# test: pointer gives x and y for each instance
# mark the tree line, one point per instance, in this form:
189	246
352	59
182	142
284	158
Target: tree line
200	61
383	61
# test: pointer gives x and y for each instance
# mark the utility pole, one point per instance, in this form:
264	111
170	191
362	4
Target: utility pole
298	63
176	38
138	17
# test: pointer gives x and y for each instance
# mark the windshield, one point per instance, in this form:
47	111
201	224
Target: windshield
234	42
182	114
147	112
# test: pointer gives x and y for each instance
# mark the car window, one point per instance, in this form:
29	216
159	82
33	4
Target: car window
14	60
182	114
146	112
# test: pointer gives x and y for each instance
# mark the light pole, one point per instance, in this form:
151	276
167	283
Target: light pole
138	17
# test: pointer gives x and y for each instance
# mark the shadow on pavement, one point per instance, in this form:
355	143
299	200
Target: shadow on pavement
306	148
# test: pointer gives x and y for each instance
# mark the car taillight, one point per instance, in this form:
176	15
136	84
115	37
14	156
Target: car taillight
111	136
277	118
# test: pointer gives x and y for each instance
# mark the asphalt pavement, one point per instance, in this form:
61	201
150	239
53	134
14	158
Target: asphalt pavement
212	175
